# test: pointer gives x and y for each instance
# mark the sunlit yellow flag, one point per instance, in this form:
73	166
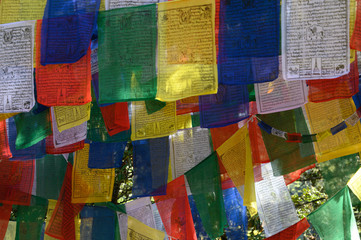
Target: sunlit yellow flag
184	121
10	231
187	63
90	185
70	116
236	156
322	117
355	184
159	124
138	230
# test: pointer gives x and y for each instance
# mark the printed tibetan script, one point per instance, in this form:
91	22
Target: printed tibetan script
315	39
16	67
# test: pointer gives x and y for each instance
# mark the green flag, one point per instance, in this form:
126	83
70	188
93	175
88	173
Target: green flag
335	220
205	184
287	157
127	54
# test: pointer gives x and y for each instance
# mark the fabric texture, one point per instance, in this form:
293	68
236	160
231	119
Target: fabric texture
150	162
30	219
127	54
67	29
228	106
253	57
175	211
106	155
335	218
287	157
205	185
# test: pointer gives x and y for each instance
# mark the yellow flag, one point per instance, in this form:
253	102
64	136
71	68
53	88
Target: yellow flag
21	10
90	185
184	121
187	63
138	230
159	124
70	116
236	156
322	117
4	116
10	231
51	207
355	184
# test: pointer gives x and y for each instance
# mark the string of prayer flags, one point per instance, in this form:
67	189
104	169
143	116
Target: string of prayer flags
248	42
337	172
293	232
205	185
51	149
106	155
16	181
355	42
67	29
21	10
287	157
137	229
50	172
116	117
313	60
17	79
68	136
35	151
97	131
150	163
175	211
328	89
322	117
97	223
90	185
280	95
5	213
335	218
31	129
30	219
188	148
62	84
5	152
67	117
61	224
159	124
236	215
127	55
275	207
187	63
228	106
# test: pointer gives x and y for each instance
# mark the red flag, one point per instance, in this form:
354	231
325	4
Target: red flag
175	211
116	117
293	232
61	224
